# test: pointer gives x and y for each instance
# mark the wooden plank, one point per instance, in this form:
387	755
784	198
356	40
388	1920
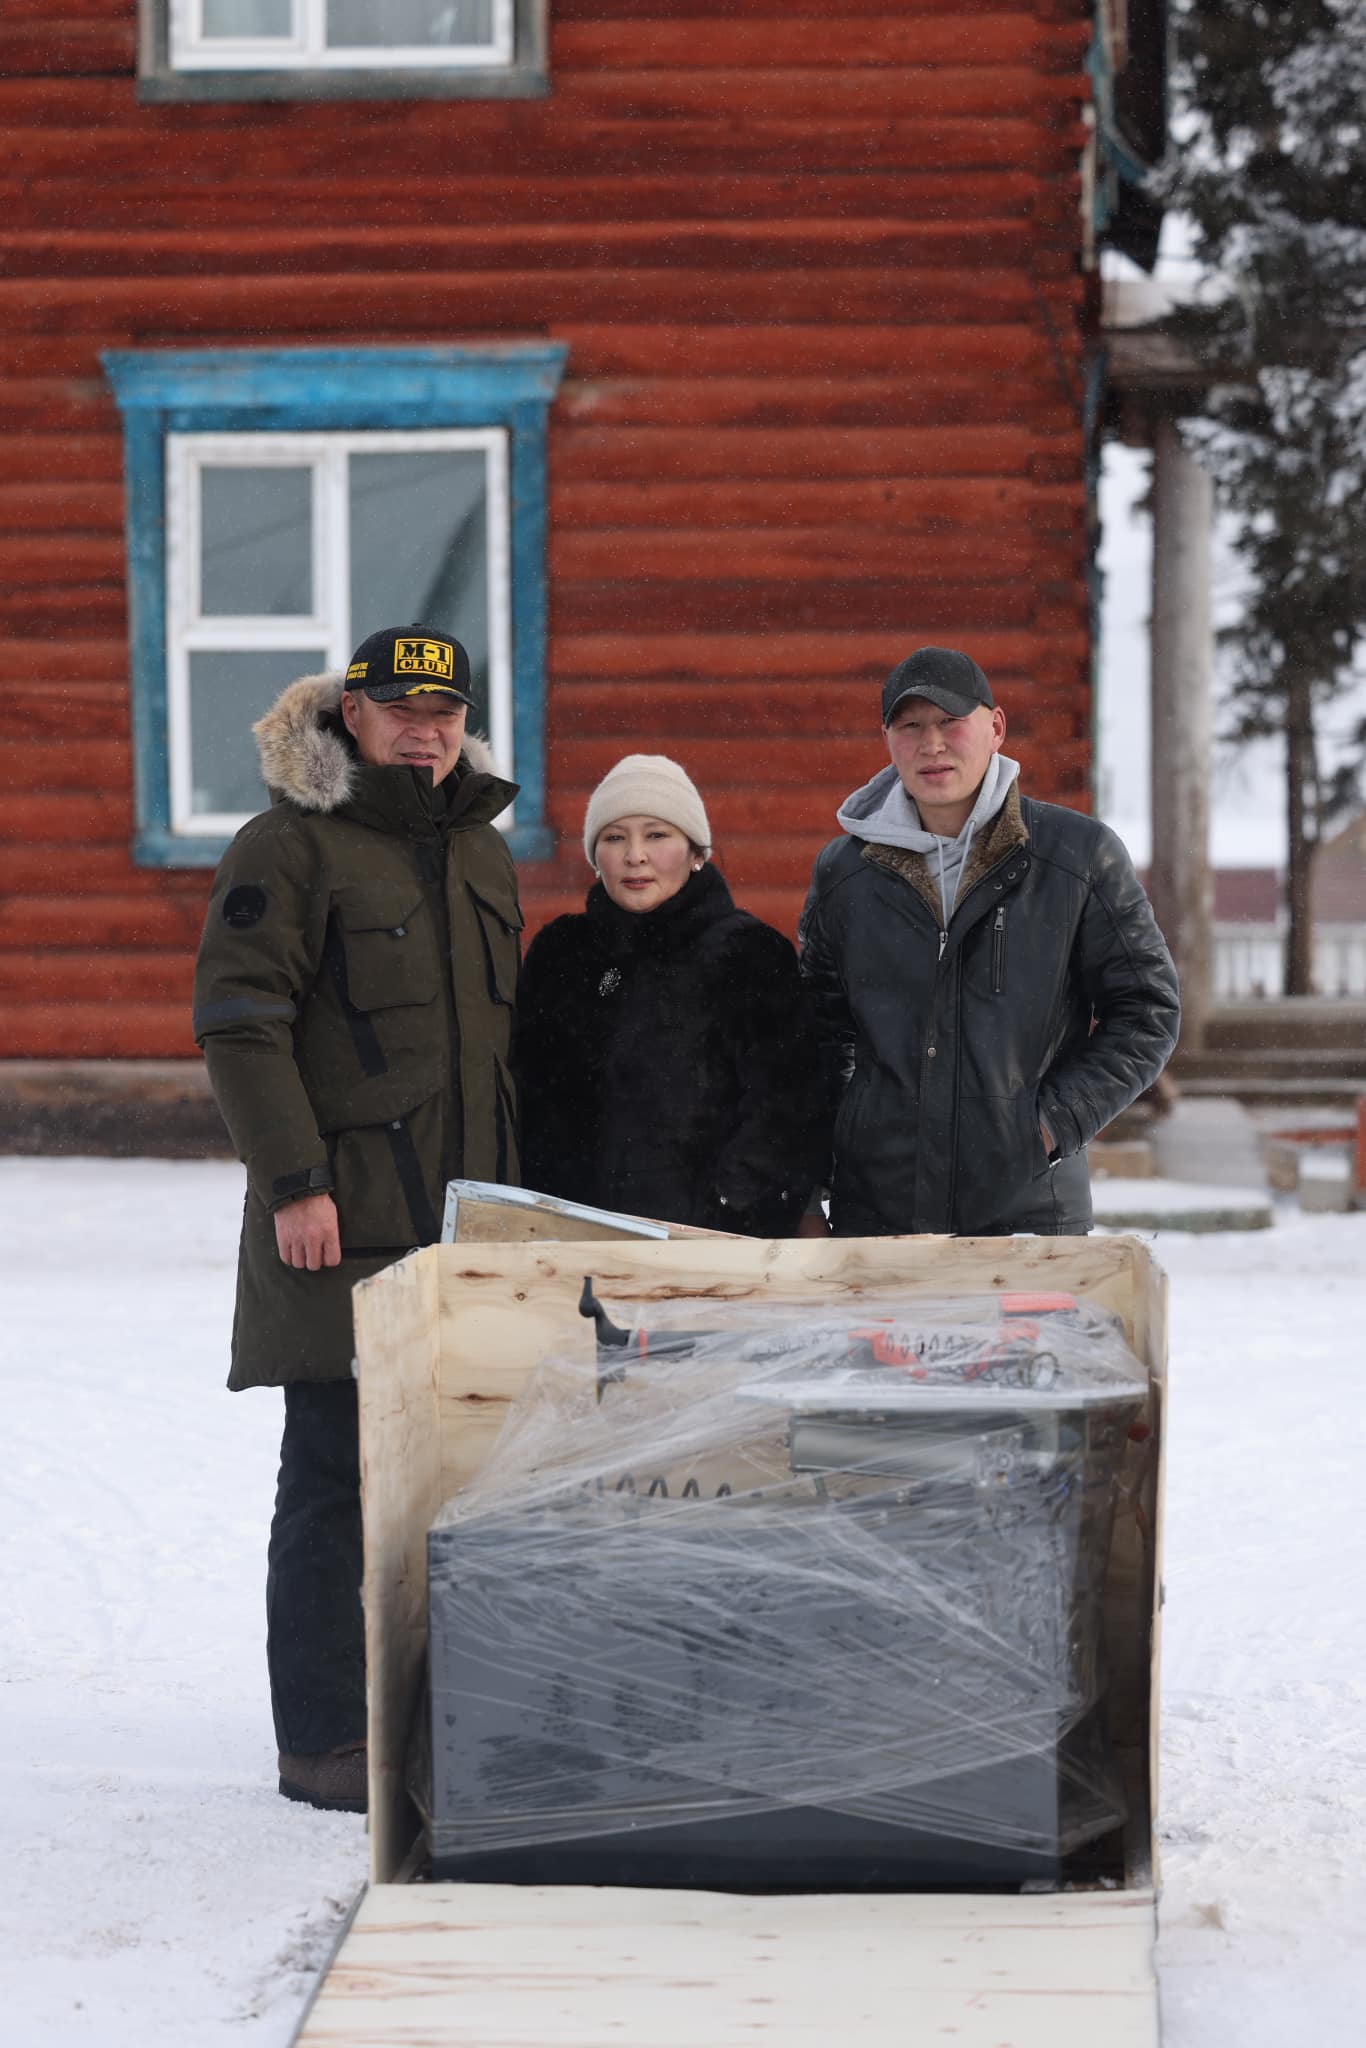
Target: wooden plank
92	148
806	553
97	1031
397	1348
838	244
68	50
976	506
326	305
859	650
659	454
968	400
145	202
924	610
811	349
1006	37
799	10
171	919
41	975
487	1966
79	762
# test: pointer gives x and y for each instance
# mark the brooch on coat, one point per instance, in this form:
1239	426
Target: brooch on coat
611	981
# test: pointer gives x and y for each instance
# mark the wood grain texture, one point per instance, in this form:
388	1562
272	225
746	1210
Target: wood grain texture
481	1966
818	268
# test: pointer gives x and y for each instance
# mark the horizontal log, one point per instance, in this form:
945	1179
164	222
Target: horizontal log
75	12
44	868
808	554
98	976
65	660
138	923
330	307
65	558
925	610
627	146
964	400
936	92
640	454
780	655
63	761
623	349
1007	37
837	244
97	1031
66	820
983	506
93	458
493	202
61	608
59	710
53	404
751	714
71	507
574	11
68	50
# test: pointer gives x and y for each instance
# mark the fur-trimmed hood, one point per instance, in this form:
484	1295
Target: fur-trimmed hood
306	753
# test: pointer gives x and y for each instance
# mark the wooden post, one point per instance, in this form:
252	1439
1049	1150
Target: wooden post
1181	882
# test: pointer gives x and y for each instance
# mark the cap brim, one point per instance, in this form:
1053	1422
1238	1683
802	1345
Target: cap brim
956	705
389	693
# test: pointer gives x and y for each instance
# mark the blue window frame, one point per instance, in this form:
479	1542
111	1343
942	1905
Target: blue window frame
200	415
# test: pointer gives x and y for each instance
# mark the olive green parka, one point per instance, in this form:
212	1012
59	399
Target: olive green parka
353	996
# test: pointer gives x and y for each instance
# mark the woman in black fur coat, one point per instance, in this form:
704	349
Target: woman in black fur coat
666	1063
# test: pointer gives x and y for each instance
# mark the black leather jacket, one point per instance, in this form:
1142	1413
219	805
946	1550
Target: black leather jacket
1051	996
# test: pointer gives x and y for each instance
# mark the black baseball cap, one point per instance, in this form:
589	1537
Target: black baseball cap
403	661
948	679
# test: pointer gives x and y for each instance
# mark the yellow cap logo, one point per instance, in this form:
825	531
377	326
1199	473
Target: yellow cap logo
357	671
424	658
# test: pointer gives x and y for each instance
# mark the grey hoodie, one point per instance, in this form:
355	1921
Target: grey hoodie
882	814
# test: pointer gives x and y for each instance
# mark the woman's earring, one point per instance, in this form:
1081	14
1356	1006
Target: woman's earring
697	867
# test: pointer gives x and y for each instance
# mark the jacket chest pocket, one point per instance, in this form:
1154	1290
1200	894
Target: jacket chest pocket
500	932
387	941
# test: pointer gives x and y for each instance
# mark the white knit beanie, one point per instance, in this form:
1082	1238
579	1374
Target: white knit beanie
646	786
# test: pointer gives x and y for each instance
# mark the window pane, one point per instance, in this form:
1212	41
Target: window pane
359	24
248	18
227	693
256	533
419	551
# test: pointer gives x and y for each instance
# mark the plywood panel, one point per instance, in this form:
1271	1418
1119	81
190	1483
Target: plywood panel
479	1966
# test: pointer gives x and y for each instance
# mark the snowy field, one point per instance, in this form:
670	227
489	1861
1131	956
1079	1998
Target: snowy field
159	1891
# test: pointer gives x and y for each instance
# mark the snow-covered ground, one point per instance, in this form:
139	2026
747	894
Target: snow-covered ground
159	1891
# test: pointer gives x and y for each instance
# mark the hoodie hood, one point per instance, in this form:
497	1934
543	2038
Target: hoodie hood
882	813
306	753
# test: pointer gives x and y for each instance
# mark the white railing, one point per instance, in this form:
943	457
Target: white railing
1249	960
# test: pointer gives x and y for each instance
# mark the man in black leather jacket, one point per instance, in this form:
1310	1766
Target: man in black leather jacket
990	983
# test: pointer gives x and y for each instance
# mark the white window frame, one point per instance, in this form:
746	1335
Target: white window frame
329	625
306	49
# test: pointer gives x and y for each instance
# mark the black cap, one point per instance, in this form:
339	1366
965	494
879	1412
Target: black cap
948	679
400	661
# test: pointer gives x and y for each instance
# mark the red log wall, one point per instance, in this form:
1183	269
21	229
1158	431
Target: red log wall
818	263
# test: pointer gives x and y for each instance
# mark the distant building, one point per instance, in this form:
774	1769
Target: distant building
1250	923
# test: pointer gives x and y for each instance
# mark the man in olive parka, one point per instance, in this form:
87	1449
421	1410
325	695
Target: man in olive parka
353	996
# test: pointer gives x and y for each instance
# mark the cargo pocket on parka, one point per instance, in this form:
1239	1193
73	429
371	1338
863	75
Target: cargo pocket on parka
388	944
500	930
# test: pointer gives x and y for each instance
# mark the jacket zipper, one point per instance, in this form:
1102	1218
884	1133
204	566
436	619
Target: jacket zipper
998	950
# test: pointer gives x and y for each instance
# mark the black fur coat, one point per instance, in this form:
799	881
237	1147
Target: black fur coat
667	1064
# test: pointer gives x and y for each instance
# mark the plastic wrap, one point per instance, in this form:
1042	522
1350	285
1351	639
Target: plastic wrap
784	1580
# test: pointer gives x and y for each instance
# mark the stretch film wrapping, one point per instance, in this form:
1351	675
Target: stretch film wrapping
750	1563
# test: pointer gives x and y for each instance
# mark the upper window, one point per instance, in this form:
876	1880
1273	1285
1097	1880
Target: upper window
284	550
328	49
284	504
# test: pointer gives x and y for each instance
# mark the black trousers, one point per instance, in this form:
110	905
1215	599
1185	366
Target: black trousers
315	1634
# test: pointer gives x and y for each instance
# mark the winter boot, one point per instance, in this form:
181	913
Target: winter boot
336	1780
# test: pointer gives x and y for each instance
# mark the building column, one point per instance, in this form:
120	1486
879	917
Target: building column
1181	881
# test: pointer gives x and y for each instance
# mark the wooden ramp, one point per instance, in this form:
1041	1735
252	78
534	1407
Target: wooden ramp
500	1966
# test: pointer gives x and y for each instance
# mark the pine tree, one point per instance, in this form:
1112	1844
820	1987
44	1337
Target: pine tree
1271	169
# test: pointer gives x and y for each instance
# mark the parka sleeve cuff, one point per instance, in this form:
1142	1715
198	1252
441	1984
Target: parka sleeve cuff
293	1187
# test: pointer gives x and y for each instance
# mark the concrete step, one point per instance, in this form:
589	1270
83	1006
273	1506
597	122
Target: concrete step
1288	1063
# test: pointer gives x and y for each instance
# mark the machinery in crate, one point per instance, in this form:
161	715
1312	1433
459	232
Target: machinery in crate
770	1603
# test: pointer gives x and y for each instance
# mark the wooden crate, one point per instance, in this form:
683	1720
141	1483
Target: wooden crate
445	1340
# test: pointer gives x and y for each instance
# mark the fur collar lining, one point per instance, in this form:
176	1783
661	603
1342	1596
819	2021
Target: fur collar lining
999	837
308	759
